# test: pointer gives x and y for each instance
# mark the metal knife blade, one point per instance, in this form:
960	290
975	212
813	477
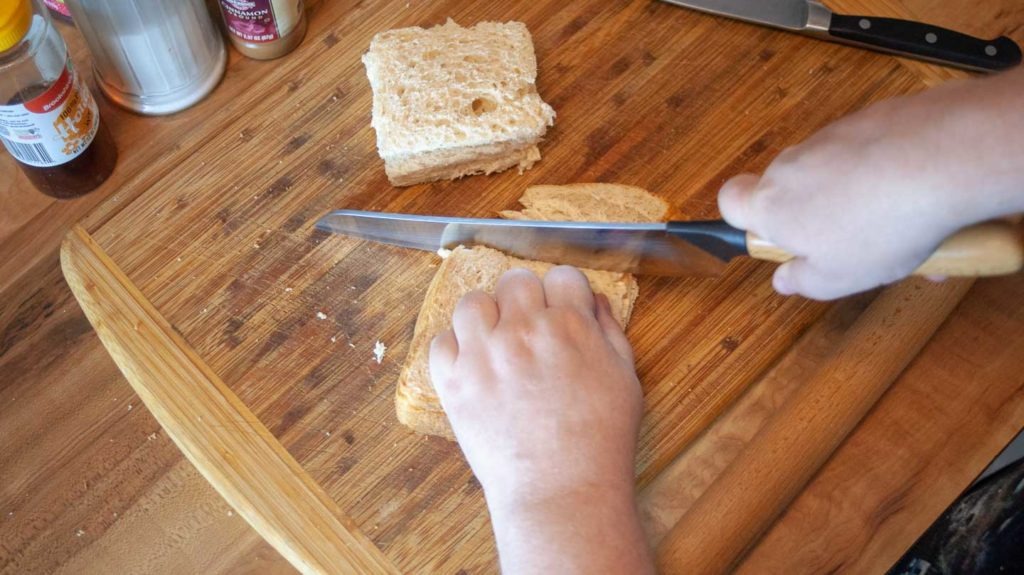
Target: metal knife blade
626	247
796	15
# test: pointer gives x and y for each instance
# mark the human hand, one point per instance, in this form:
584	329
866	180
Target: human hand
867	199
540	389
539	386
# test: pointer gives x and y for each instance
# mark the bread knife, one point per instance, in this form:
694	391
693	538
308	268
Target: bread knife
902	37
699	248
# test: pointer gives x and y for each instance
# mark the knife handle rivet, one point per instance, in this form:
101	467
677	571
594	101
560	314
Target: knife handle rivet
931	38
991	50
864	23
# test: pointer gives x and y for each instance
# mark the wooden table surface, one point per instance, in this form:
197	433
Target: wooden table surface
88	483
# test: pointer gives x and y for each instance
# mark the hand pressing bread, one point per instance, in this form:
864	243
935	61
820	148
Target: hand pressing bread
539	385
478	268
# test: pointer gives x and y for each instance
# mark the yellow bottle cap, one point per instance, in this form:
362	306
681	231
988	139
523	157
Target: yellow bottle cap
15	20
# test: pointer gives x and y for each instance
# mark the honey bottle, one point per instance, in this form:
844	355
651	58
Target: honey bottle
49	122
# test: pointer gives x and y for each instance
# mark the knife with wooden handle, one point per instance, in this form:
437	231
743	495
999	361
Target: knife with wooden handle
892	35
664	248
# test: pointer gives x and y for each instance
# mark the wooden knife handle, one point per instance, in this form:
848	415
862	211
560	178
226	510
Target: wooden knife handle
986	249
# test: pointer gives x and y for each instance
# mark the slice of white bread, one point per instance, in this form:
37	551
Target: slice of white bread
450	101
467	269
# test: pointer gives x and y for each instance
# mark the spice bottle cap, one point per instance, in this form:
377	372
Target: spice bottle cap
15	20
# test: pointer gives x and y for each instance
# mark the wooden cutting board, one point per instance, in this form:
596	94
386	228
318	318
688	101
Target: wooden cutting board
646	94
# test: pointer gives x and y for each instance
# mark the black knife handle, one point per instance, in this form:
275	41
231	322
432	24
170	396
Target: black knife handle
926	42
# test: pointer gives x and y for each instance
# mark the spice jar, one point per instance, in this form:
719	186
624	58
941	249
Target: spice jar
49	121
58	10
154	57
264	29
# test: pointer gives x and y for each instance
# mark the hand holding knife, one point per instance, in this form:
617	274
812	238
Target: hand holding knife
667	249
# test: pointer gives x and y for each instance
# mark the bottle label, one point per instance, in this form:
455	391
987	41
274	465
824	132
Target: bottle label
54	127
261	20
58	7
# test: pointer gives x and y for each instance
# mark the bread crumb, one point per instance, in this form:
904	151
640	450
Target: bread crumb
287	290
334	339
378	351
352	345
129	407
231	513
321	315
444	252
151	436
327	433
79	532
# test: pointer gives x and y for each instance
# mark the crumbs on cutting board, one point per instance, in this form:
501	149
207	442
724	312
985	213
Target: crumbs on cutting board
321	315
378	351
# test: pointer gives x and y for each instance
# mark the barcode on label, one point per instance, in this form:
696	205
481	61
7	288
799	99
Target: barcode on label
34	154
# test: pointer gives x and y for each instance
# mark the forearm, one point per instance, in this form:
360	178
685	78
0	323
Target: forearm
977	145
593	529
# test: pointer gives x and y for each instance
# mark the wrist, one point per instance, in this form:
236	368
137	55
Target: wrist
532	499
982	177
593	528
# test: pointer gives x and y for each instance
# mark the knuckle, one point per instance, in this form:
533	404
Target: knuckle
516	276
566	275
566	320
473	302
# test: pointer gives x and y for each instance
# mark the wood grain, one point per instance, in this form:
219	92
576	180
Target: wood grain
744	501
89	485
877	495
214	430
981	250
671	494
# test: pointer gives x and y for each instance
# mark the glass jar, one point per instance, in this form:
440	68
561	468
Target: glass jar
154	57
49	121
264	29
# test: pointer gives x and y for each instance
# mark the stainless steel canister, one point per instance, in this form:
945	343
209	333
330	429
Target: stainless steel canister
153	57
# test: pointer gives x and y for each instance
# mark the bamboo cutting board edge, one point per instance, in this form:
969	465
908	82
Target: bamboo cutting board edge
230	447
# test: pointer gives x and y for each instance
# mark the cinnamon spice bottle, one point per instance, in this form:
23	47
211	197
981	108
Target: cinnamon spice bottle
49	121
264	29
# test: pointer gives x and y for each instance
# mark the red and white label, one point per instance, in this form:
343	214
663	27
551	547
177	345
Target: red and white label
54	127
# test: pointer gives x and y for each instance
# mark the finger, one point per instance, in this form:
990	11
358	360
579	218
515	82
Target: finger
518	293
566	286
798	276
734	200
611	328
475	315
444	348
